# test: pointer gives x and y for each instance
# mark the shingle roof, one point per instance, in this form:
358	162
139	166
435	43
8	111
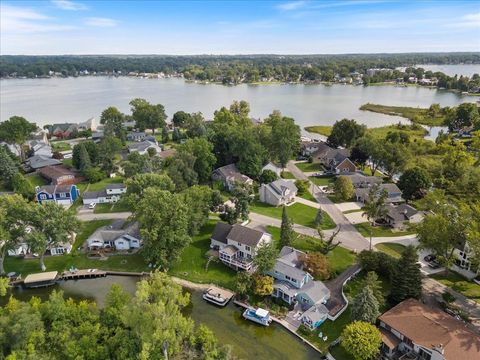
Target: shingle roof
279	187
115	186
315	290
39	161
231	172
54	172
429	327
55	189
244	235
316	313
221	231
94	194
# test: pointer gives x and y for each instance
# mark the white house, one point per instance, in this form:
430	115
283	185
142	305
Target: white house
237	244
127	242
110	194
143	146
278	192
104	238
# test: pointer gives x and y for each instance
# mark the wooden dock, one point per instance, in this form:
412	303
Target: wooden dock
82	274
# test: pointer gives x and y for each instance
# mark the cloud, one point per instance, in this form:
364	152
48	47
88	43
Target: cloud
15	19
101	22
69	5
292	5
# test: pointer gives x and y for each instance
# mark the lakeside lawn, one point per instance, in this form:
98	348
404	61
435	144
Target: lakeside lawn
460	284
324	130
392	249
414	114
36	180
340	259
333	329
299	213
193	260
379	231
309	167
323	180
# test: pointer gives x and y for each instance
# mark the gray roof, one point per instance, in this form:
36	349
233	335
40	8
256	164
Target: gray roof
140	146
401	212
54	189
279	187
221	231
291	256
289	270
39	161
362	180
94	194
316	313
115	186
286	287
244	235
231	171
390	188
315	290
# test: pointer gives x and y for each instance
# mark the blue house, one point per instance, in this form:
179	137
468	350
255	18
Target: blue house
61	194
296	286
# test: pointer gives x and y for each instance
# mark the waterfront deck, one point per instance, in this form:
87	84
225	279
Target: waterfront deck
82	274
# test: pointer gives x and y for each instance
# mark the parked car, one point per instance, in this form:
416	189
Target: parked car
92	205
433	264
429	257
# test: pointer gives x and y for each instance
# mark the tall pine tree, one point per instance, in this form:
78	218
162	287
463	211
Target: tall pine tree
365	306
287	234
407	279
84	162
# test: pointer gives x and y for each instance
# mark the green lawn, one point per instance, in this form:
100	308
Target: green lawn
36	180
287	175
392	249
309	167
379	231
458	283
352	211
101	184
86	229
68	162
111	208
307	196
300	214
324	130
322	181
193	260
416	115
340	258
333	329
60	146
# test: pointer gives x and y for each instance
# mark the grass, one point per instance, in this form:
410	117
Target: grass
416	115
392	249
68	162
287	175
193	260
309	167
101	184
460	284
111	208
352	211
36	180
379	231
87	228
323	180
60	146
324	130
340	258
307	196
299	213
333	329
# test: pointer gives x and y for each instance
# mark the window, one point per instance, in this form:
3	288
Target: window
63	195
294	281
247	248
239	244
288	277
43	197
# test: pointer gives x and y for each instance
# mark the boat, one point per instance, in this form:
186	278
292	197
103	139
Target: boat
260	316
217	296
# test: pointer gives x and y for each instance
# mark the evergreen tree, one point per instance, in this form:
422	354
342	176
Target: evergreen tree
407	279
376	285
84	162
365	306
287	234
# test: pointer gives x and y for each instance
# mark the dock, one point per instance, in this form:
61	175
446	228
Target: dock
82	274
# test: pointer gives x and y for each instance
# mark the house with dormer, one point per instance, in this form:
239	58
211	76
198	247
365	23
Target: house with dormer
237	245
61	194
278	192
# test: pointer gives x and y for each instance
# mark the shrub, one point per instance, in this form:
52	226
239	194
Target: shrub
383	264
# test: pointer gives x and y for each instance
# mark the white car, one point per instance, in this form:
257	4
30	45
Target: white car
92	205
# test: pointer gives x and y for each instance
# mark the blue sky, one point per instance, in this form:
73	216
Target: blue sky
237	27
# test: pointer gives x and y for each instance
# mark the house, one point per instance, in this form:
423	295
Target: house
39	147
136	136
362	181
57	175
106	238
394	194
425	333
61	194
272	167
90	124
110	194
278	192
237	244
334	160
398	217
40	161
230	175
97	136
308	147
143	146
342	165
292	284
65	130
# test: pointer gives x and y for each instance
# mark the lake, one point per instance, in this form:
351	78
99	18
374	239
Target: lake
249	341
452	70
47	101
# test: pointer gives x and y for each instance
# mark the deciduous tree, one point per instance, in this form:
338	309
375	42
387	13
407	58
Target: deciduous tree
361	340
414	183
263	285
344	188
265	258
16	131
345	133
148	116
317	265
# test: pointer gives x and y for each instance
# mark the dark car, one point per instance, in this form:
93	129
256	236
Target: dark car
433	264
429	258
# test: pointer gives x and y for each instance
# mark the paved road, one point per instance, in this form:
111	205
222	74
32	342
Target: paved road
349	236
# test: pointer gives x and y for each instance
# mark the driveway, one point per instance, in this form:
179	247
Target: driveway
347	206
88	215
356	217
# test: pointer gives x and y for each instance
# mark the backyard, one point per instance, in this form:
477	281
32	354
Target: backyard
322	180
458	283
193	260
379	231
36	180
309	167
299	213
102	183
